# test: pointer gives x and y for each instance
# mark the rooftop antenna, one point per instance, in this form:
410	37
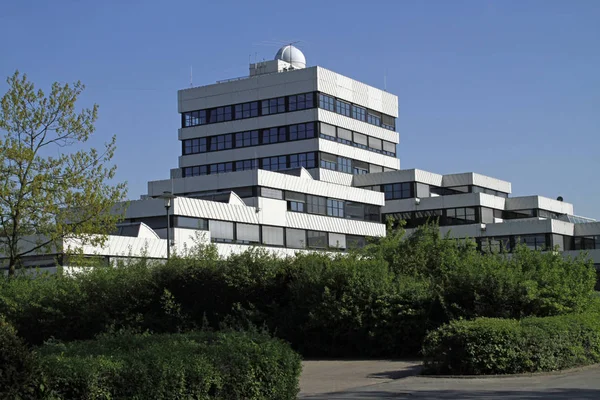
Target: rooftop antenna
191	77
385	80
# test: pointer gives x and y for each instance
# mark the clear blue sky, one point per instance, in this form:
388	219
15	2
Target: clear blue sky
505	88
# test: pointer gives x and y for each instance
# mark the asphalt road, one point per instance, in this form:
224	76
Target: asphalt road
575	384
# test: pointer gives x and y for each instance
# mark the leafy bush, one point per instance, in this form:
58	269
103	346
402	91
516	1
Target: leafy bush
18	365
379	302
469	284
196	365
507	346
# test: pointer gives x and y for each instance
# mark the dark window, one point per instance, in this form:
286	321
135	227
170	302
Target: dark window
426	216
496	244
388	122
250	110
306	160
341	107
273	106
246	139
344	165
398	191
316	205
328	161
355	210
273	135
317	240
335	208
274	163
326	102
359	113
300	101
302	131
373	119
372	213
534	242
359	167
295	206
245	165
190	222
355	242
460	216
194	146
225	142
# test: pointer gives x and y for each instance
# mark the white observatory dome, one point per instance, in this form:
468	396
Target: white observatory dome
292	55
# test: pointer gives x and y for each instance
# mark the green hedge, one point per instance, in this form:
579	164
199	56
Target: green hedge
199	365
19	372
378	303
507	346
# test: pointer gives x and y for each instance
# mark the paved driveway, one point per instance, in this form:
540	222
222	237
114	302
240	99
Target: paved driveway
369	384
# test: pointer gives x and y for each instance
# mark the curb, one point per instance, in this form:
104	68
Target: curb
523	375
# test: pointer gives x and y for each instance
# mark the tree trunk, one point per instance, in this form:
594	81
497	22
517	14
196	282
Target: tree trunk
11	266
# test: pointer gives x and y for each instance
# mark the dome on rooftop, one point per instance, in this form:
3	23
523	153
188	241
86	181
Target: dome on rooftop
292	55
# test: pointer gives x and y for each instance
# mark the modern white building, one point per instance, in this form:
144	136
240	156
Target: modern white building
297	158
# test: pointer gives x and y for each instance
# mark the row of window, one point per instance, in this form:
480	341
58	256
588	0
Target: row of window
445	217
250	138
508	243
408	190
248	110
348	165
347	109
283	104
279	163
356	139
240	233
311	204
288	133
586	243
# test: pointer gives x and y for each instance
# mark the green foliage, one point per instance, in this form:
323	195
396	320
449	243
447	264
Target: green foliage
507	346
18	366
469	284
46	198
365	304
195	365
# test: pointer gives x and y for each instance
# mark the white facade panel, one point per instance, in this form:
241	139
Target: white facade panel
337	177
588	229
356	92
454	201
355	125
470	178
528	202
214	210
332	224
405	175
356	153
326	189
192	184
272	211
248	89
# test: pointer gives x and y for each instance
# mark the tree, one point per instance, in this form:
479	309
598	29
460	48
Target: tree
46	192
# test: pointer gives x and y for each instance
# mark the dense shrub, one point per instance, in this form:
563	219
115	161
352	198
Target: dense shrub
379	302
197	365
470	284
18	366
507	346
